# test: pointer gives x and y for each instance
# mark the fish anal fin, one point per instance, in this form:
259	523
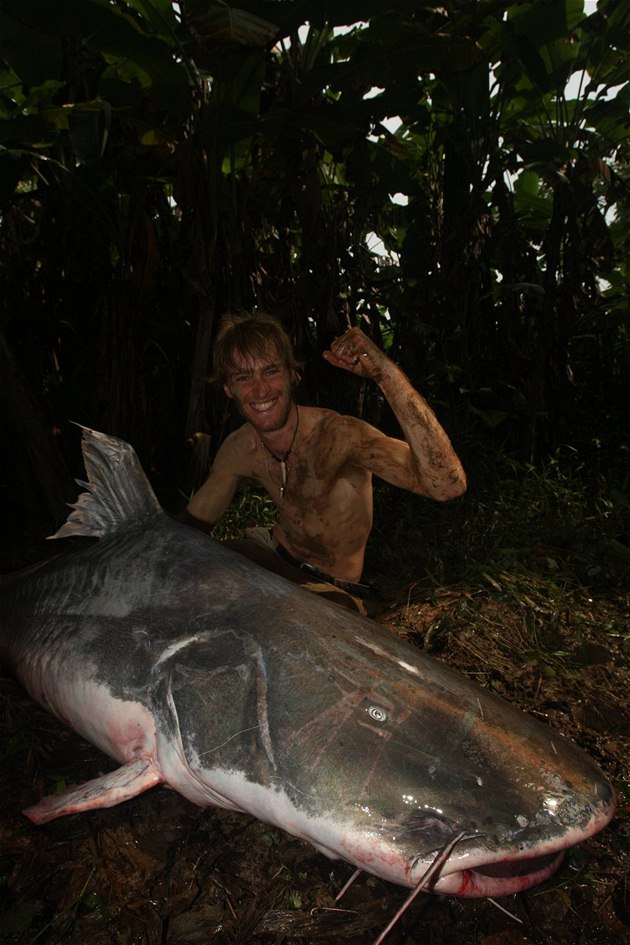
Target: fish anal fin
107	791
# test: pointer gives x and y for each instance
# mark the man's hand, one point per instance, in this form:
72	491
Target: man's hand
354	352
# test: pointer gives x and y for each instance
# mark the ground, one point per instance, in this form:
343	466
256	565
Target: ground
158	871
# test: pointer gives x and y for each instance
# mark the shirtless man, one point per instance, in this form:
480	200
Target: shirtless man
316	464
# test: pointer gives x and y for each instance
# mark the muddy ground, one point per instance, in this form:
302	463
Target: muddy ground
158	871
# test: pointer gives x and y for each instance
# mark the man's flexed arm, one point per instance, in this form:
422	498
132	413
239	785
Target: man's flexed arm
433	467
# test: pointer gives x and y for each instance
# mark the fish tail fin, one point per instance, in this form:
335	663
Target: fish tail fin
118	494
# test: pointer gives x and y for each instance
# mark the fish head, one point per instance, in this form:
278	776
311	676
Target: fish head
426	760
383	762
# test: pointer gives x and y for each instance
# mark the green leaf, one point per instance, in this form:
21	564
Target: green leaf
70	18
222	23
611	117
159	14
88	127
226	124
29	130
105	30
491	418
12	167
376	64
17	44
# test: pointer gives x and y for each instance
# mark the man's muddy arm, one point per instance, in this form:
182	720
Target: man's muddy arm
433	467
214	497
437	471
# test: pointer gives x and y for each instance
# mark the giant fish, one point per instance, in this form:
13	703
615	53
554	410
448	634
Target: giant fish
195	668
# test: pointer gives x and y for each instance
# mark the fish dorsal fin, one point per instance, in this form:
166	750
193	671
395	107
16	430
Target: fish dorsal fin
118	495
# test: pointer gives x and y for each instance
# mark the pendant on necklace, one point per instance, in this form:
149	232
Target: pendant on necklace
282	460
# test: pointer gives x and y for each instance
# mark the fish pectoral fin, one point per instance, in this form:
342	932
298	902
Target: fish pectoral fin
107	791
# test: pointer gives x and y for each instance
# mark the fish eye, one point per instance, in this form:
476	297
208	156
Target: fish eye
377	713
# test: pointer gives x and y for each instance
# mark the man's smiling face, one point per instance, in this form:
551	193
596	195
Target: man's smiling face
261	389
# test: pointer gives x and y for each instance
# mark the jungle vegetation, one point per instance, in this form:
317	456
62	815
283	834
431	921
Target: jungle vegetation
453	176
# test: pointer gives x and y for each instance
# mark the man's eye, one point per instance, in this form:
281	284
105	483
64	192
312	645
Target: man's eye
270	372
241	378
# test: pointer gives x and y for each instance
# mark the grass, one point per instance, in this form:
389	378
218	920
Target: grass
523	530
251	507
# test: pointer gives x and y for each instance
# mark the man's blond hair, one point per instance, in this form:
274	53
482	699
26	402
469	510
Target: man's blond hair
252	336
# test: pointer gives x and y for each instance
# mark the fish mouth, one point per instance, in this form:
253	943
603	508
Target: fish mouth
499	878
474	865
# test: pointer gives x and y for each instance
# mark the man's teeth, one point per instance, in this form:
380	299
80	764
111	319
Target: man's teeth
261	407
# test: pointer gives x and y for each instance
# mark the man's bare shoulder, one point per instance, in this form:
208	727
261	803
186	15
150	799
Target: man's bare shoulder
339	441
238	447
324	428
343	428
324	420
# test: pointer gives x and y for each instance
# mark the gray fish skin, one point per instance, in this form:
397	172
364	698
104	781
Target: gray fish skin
193	667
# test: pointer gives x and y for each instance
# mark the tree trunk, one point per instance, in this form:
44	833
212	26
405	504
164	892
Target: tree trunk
38	501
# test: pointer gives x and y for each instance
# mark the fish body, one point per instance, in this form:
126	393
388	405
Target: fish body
193	667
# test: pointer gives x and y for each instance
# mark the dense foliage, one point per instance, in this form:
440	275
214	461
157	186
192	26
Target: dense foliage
452	176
